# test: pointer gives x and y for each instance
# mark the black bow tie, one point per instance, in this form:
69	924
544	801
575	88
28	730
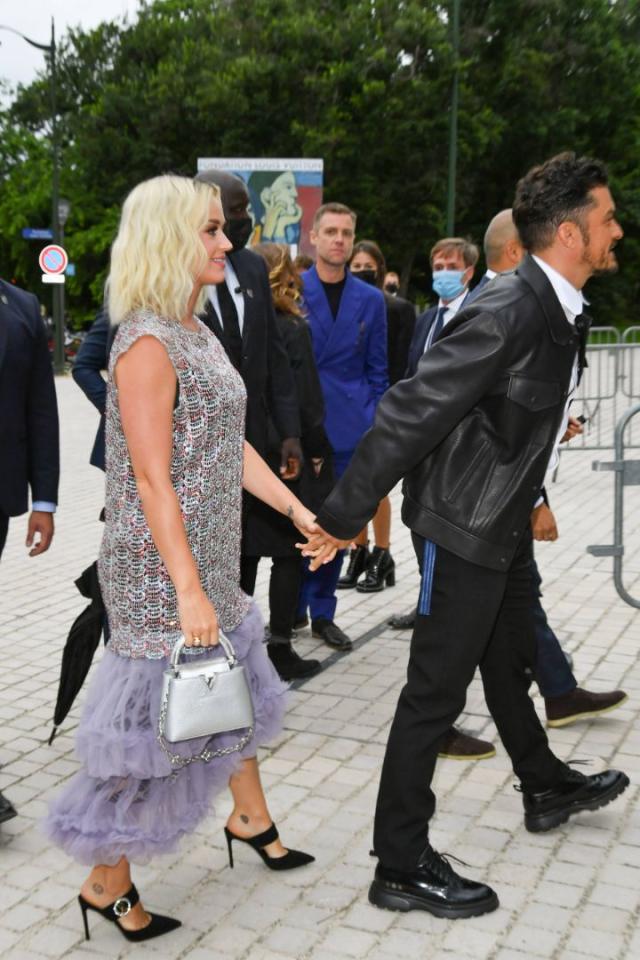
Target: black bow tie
582	324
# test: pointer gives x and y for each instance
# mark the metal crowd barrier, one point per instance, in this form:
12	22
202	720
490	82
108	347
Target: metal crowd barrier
627	473
609	384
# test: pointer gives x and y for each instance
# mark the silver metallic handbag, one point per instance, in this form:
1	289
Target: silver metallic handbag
201	699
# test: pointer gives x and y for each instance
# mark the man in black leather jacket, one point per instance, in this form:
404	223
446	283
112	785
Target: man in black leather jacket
472	434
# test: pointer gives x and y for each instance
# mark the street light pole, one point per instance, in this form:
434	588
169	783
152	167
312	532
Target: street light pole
453	121
57	292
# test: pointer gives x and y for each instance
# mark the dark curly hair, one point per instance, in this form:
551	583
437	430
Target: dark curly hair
557	190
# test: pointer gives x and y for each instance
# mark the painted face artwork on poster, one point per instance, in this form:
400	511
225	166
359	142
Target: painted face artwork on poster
284	195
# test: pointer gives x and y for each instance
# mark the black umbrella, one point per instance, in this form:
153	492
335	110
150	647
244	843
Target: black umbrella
80	647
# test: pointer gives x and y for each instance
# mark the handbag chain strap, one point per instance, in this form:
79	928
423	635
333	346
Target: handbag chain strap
177	761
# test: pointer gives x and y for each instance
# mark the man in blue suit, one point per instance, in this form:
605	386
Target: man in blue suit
29	444
349	330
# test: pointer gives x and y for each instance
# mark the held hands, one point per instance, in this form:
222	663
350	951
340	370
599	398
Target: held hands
543	523
321	547
41	524
198	620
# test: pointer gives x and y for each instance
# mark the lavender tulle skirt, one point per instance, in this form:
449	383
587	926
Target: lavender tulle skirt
124	800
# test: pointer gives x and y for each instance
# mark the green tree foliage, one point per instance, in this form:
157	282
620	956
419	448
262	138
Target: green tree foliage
365	84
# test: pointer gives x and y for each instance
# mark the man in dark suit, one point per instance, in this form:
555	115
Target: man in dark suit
240	312
472	434
29	441
349	331
453	261
92	358
564	701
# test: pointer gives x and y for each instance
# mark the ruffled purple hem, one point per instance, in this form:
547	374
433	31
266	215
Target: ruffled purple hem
124	800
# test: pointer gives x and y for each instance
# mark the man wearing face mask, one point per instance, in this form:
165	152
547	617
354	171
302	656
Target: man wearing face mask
453	261
240	313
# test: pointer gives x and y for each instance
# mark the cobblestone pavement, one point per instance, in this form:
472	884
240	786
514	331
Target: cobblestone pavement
569	895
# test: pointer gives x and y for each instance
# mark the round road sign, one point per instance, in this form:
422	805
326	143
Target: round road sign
53	259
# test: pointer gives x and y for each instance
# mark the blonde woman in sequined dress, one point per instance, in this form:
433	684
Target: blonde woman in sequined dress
169	562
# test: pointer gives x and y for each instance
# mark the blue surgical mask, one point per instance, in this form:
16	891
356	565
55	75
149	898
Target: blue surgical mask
448	283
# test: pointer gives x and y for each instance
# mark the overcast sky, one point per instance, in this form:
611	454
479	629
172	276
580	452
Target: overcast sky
18	61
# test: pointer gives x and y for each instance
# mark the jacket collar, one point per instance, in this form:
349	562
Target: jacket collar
559	327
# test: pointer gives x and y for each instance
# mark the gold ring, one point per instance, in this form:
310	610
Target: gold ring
196	641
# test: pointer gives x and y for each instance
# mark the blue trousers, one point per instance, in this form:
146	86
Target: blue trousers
318	590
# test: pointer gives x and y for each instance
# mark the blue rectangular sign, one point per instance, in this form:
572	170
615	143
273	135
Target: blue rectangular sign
37	233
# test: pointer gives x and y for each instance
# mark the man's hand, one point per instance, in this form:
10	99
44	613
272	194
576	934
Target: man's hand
40	523
543	523
574	427
321	547
290	458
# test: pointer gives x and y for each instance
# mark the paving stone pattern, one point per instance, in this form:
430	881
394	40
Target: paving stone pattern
568	895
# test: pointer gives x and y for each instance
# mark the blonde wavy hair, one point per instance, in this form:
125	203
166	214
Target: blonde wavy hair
157	253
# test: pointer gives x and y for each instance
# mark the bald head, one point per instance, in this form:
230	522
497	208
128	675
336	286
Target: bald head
502	247
233	191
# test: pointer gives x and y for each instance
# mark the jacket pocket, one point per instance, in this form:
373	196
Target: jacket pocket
533	394
469	471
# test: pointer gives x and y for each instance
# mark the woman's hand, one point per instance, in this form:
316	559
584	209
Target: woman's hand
302	519
321	547
198	620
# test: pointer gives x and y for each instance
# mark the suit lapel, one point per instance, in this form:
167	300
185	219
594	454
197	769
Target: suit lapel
248	296
210	318
320	319
5	310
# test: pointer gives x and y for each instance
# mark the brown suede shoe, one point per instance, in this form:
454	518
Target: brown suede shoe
580	705
458	745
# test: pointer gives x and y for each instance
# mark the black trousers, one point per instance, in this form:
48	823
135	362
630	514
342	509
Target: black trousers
478	617
4	528
284	589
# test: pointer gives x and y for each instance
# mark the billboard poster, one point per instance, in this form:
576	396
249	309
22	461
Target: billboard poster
283	196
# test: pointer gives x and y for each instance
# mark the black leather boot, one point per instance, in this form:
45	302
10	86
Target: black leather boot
358	559
380	572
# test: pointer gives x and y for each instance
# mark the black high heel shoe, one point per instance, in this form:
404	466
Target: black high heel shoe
291	859
380	572
120	908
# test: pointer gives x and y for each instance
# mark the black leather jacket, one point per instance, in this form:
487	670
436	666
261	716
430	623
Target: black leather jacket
472	432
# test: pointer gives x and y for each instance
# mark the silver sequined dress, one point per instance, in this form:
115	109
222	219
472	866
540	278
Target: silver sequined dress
126	799
206	469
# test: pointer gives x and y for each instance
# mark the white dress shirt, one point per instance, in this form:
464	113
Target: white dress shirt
572	302
231	280
451	309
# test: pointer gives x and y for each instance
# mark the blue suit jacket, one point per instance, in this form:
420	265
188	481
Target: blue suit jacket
29	445
351	356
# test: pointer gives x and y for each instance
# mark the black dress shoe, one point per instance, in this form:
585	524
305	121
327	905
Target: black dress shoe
331	633
403	621
289	665
380	572
7	810
301	623
575	793
433	886
358	559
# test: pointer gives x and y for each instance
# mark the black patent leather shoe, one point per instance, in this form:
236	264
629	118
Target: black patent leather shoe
380	572
7	810
358	559
331	633
577	792
433	886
